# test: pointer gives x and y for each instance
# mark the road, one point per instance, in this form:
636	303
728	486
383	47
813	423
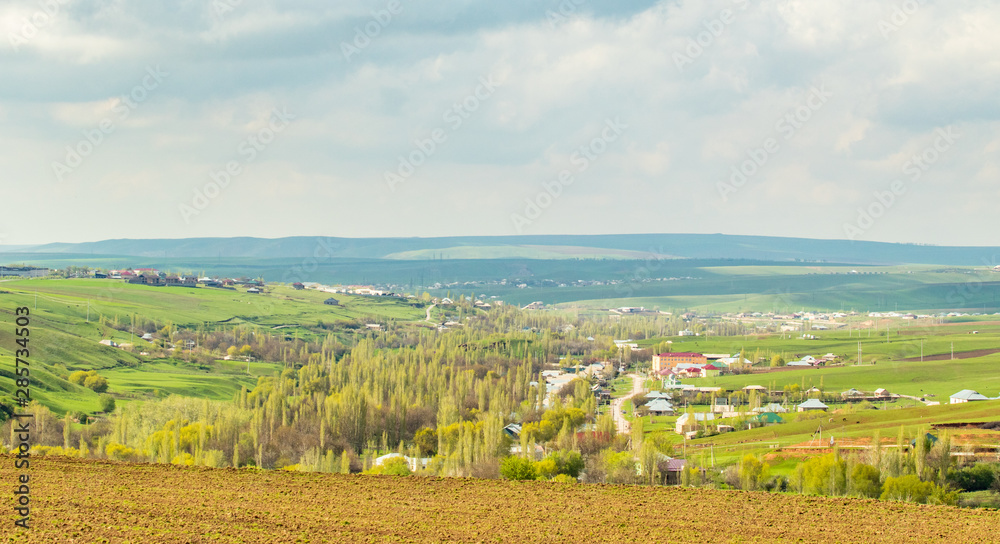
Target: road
429	308
616	405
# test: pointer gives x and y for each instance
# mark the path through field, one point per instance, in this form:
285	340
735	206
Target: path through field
621	423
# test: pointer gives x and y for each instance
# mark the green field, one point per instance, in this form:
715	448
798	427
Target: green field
846	425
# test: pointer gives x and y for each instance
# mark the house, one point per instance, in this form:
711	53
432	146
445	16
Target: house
710	371
690	421
331	302
657	395
672	469
253	291
757	388
851	393
660	407
671	360
722	405
764	419
414	463
689	371
298	286
773	407
513	431
110	343
967	395
730	361
686	333
812	405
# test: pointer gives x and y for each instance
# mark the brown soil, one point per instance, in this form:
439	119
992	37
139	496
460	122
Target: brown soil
958	355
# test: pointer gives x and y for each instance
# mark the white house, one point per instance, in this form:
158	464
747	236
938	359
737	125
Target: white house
690	421
967	395
812	405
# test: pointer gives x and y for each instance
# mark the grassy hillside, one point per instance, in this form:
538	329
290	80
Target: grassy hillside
63	340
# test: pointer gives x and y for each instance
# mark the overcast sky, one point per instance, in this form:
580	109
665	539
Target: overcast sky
118	119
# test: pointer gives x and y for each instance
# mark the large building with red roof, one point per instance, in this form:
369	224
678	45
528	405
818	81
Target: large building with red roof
666	361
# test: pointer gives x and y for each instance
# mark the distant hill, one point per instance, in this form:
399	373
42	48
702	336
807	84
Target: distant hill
612	246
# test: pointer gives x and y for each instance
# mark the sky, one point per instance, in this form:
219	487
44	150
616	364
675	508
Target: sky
861	119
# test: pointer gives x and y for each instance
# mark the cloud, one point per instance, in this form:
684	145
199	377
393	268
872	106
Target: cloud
751	65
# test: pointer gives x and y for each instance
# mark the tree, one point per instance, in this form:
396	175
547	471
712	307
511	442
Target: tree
777	360
426	440
517	468
107	403
753	472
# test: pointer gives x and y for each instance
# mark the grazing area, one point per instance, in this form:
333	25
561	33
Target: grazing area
95	501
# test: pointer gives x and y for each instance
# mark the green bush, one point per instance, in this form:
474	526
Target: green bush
866	480
978	477
907	488
107	403
97	383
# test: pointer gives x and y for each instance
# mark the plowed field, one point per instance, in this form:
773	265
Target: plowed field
89	501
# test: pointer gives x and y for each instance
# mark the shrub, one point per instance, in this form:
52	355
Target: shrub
978	477
517	468
907	488
393	466
97	383
107	403
866	480
79	376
